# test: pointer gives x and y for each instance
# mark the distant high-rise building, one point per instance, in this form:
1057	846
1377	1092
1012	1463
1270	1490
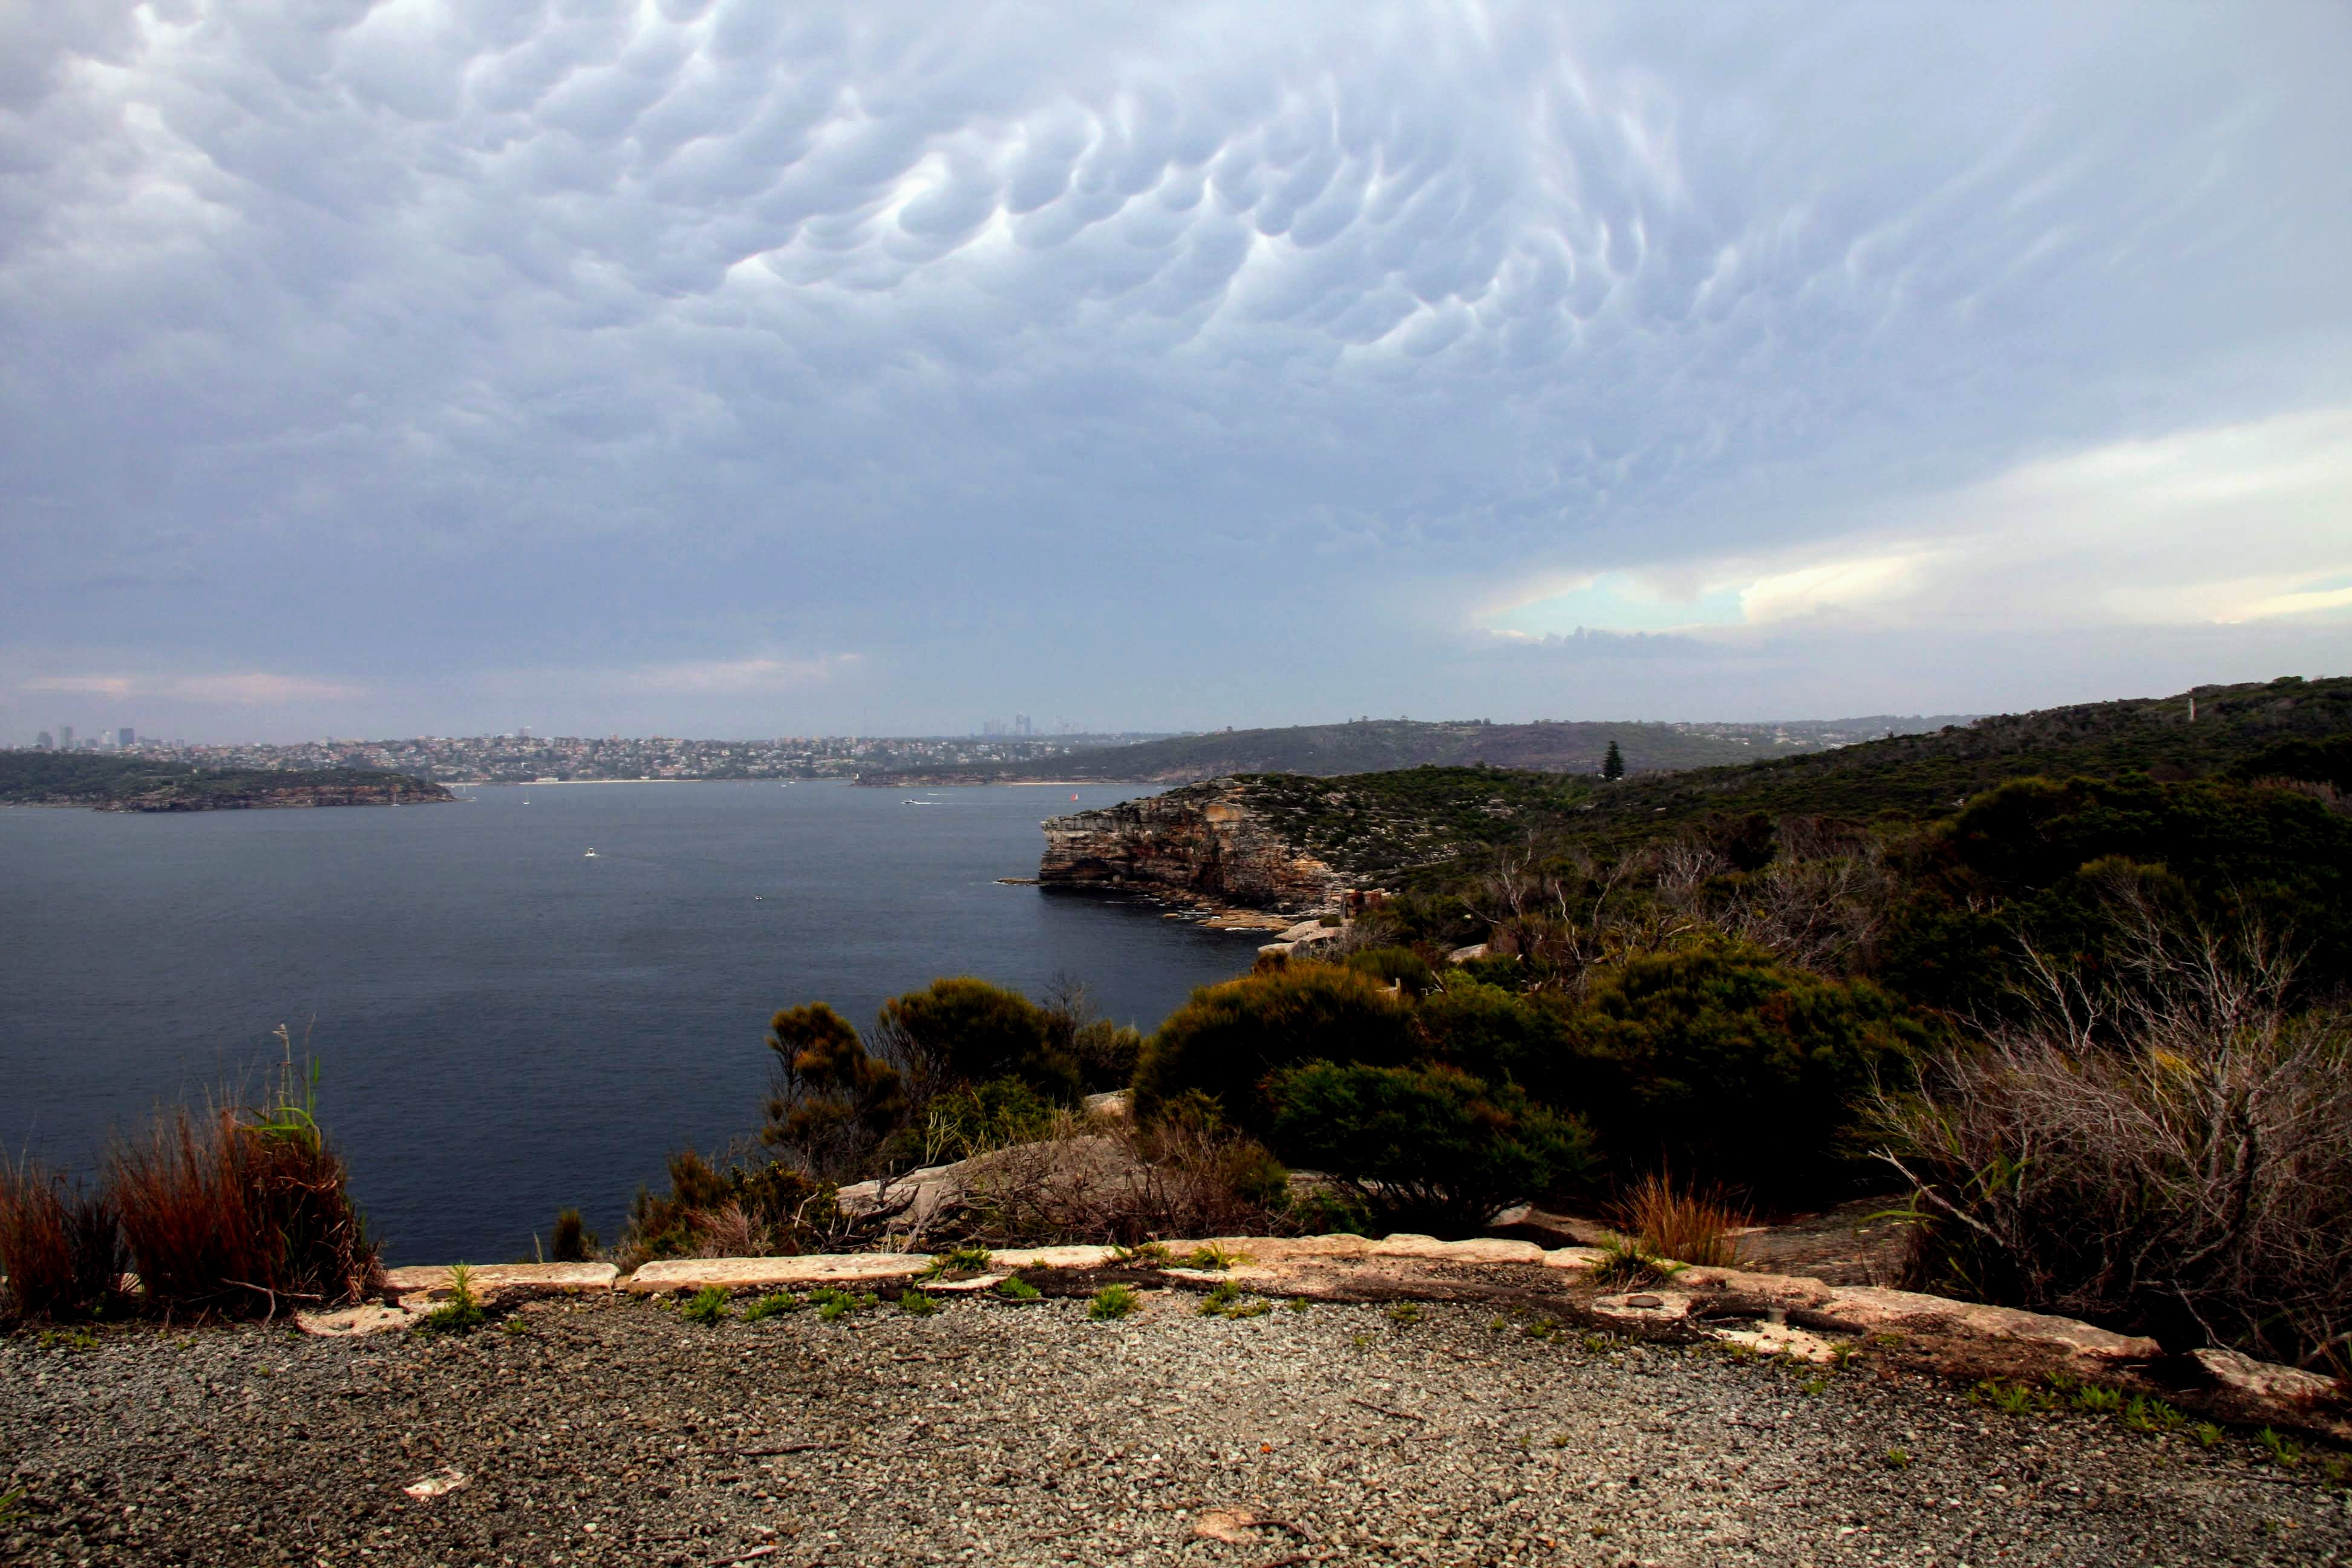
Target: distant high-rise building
126	736
1022	726
65	736
46	742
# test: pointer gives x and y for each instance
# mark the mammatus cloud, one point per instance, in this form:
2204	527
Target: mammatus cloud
1174	364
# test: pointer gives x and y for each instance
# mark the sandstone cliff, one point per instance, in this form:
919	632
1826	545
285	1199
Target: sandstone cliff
1204	841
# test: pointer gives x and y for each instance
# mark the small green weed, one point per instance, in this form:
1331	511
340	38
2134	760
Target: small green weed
1149	1254
1256	1307
1016	1289
1360	1341
1626	1264
968	1259
1112	1302
707	1306
2010	1398
833	1303
1405	1312
1213	1257
461	1313
2094	1400
12	1503
774	1304
2284	1452
915	1304
1844	1352
1299	1304
1595	1344
2145	1414
513	1326
1222	1295
68	1340
2207	1434
1812	1385
1899	1458
1883	1341
1561	1440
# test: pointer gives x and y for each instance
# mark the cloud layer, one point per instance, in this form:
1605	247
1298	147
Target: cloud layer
749	367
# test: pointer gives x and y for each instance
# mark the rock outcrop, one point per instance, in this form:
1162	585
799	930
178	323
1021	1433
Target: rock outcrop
1203	842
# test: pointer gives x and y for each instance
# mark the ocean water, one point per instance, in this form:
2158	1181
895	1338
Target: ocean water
504	1025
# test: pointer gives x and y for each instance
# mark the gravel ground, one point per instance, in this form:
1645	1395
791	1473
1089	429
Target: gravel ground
597	1430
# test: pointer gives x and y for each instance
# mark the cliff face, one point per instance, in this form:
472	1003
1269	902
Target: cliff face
1203	841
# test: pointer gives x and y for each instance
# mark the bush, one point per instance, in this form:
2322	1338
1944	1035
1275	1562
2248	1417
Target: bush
834	1101
1224	1042
1724	1064
60	1249
963	1030
572	1241
1491	1033
745	1210
2167	1150
1430	1148
239	1212
1398	966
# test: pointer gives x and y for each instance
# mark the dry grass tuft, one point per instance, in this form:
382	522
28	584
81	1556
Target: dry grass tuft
234	1213
59	1247
1686	1225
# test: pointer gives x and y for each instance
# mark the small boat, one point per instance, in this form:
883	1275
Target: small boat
920	803
590	856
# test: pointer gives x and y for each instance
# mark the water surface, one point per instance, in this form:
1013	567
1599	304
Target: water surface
506	1026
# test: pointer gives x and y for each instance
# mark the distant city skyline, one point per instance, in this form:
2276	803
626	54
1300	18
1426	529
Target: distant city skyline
727	367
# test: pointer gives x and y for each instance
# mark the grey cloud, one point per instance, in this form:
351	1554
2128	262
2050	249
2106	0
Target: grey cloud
756	323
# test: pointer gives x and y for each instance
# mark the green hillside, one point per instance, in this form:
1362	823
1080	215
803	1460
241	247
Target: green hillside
1385	823
1376	745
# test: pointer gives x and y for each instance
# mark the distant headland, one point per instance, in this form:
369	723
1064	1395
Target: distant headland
143	784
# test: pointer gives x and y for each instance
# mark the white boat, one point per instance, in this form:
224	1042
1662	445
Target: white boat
590	856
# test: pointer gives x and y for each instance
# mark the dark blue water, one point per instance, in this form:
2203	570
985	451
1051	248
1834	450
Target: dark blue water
507	1027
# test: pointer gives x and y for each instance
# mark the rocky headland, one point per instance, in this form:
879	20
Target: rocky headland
265	794
1207	842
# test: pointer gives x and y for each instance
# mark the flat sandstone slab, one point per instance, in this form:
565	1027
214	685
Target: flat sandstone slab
750	1273
488	1277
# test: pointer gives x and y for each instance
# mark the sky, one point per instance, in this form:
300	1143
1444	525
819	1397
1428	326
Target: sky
729	368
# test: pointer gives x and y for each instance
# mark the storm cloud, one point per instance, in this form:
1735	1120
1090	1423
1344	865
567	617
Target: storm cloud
744	368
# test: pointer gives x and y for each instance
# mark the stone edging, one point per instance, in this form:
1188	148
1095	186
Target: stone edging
1791	1316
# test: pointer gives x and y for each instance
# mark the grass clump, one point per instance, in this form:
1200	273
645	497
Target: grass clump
915	1304
834	1303
1899	1458
1147	1255
1211	1258
966	1260
461	1313
1682	1223
1112	1302
708	1305
774	1304
1627	1264
1016	1289
61	1249
1407	1312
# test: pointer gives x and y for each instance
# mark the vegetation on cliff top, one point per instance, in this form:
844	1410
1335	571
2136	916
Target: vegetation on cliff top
144	784
1374	746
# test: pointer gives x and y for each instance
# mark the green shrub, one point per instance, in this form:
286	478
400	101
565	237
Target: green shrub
758	1210
774	1304
1728	1066
1113	1302
708	1305
833	1099
1015	1289
1427	1147
460	1314
1225	1041
1490	1033
1398	966
962	1030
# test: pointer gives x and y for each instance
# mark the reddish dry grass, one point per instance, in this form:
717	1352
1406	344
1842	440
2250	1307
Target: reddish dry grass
225	1216
59	1247
1685	1225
